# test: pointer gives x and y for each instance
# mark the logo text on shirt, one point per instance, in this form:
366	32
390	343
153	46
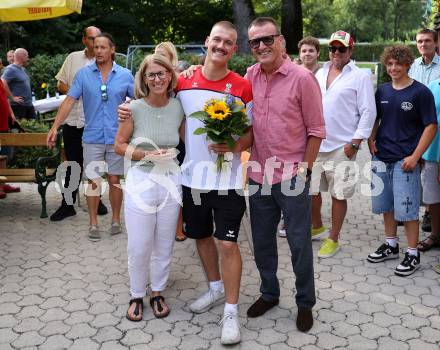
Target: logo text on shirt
406	106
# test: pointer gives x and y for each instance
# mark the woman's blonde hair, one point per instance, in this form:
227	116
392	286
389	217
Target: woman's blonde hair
141	88
170	49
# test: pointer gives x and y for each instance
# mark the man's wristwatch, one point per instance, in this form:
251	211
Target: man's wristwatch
355	146
304	172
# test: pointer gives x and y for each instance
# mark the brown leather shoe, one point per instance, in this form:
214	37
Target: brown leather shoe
260	307
304	320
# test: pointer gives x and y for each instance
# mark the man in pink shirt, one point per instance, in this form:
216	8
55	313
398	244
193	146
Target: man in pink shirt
288	127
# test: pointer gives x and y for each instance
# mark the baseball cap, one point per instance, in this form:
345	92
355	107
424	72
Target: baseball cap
343	37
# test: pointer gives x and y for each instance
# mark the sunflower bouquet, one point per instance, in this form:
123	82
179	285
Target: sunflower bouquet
223	119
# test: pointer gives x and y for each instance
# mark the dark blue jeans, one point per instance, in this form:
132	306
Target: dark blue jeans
266	205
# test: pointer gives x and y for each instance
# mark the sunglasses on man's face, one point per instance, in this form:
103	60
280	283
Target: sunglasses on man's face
104	96
341	49
267	40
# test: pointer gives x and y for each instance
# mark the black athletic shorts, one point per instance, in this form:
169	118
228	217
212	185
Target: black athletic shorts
225	209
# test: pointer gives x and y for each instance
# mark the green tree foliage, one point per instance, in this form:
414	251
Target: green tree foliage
189	21
378	19
129	21
317	19
42	69
372	20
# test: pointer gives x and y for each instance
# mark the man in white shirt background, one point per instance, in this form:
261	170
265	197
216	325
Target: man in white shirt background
349	113
73	126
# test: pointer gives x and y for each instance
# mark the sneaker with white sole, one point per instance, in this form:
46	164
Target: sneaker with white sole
94	233
115	228
319	232
230	329
409	265
328	248
207	300
384	252
282	231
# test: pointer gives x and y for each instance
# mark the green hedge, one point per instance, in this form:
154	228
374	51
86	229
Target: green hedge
26	157
42	69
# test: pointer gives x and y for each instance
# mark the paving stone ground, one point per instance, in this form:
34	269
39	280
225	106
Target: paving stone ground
58	290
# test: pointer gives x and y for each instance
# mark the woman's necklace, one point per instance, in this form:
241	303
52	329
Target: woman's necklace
157	110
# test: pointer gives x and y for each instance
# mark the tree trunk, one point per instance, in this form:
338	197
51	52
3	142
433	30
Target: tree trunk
396	19
291	24
243	11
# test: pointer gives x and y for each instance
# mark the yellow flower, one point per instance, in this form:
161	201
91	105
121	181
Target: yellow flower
44	85
218	110
208	103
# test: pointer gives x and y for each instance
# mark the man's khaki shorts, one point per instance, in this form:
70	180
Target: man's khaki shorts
334	172
100	159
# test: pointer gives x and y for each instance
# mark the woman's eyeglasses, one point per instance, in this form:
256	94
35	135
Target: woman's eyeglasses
151	76
104	96
267	40
341	49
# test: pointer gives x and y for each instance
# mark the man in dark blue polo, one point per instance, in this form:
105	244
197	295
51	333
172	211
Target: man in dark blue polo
103	86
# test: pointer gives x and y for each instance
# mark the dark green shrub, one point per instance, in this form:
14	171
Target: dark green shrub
26	157
42	69
239	64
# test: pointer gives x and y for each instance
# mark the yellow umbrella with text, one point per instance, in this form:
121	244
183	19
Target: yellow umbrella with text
29	10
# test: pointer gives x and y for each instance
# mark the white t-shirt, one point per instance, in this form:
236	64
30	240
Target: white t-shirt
72	64
199	168
349	106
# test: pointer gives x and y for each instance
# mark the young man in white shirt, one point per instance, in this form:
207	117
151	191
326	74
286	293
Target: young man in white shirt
349	113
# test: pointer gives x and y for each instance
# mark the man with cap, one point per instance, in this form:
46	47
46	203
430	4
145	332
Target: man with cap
349	113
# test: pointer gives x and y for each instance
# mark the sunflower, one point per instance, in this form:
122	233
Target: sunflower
218	110
44	85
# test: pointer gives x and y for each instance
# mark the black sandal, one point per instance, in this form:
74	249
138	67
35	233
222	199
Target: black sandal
138	310
156	305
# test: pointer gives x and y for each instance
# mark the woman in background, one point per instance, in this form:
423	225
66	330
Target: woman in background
168	50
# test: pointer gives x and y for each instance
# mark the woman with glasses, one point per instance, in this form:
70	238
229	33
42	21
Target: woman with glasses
168	50
152	190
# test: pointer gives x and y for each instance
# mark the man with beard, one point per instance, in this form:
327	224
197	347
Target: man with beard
73	126
103	85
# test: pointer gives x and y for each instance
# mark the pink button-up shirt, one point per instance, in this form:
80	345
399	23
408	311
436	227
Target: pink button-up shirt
287	110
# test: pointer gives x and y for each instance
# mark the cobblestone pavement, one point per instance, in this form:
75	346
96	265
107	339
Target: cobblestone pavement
59	290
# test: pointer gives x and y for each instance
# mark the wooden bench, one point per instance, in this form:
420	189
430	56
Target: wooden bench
45	167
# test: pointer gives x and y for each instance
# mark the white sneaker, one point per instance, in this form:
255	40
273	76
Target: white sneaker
230	329
207	300
282	231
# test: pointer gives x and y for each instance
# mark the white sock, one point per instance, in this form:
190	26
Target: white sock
392	241
231	308
216	285
412	251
